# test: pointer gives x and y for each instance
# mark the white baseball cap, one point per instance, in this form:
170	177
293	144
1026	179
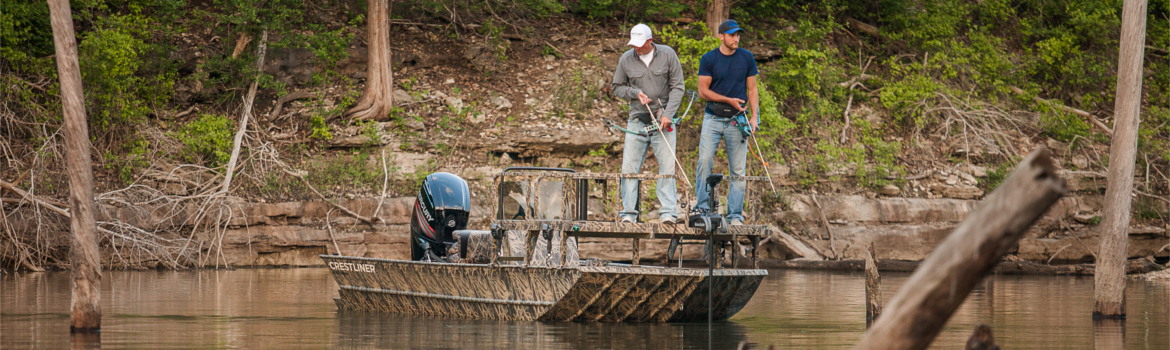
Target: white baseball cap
639	34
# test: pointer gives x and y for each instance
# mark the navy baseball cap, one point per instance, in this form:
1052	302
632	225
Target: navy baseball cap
729	26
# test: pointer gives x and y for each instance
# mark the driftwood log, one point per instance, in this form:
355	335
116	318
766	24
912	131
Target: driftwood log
923	305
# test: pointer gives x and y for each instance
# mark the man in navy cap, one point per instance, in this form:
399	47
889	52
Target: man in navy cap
727	80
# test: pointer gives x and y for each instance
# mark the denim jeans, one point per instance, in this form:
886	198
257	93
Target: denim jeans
634	155
715	129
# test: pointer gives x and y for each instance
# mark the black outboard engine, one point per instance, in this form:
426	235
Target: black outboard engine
442	206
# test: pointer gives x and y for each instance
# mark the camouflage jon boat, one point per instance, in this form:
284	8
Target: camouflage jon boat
527	268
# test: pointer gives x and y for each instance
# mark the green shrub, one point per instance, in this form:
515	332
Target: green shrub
25	34
635	9
124	79
347	172
318	129
208	139
132	156
1063	126
906	97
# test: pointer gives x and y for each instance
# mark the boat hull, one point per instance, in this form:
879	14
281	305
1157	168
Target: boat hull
512	292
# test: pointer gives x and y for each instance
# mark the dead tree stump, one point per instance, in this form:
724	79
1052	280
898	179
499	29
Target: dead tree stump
923	305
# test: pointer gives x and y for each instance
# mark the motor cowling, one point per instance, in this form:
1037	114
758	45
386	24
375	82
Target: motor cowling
442	207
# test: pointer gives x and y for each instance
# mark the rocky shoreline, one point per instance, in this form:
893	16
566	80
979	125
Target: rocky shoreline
831	235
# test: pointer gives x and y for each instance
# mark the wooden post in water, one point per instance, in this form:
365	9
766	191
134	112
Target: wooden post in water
922	306
86	313
1109	277
873	288
981	339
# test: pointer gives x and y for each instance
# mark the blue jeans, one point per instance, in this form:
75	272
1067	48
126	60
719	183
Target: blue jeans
634	155
715	129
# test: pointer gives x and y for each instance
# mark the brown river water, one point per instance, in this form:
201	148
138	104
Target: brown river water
293	309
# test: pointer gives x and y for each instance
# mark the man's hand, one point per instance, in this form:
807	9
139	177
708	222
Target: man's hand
755	123
738	103
664	123
643	99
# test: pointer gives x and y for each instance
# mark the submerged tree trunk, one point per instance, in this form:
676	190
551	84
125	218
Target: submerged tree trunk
927	300
1110	275
717	11
86	313
377	99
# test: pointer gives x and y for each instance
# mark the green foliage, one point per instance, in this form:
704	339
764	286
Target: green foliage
928	23
208	139
548	50
772	124
130	158
493	32
25	33
371	131
632	9
907	95
1063	126
996	176
683	40
1154	133
573	95
122	86
449	9
318	129
356	171
804	79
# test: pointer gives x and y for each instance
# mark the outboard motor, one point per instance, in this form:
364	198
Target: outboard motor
442	207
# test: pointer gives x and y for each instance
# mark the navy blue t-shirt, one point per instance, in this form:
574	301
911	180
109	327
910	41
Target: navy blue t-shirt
728	73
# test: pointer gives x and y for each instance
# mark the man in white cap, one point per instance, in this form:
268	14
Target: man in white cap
650	76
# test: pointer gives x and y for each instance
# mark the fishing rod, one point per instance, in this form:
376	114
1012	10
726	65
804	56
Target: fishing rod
658	126
746	129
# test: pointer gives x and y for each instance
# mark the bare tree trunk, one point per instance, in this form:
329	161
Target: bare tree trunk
249	99
1109	279
86	314
927	300
873	288
378	97
717	11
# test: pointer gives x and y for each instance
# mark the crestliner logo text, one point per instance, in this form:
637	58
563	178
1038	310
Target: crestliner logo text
348	266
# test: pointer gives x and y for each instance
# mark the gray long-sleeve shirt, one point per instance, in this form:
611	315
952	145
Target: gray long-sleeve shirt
662	81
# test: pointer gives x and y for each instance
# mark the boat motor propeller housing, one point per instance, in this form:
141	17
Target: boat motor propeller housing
442	207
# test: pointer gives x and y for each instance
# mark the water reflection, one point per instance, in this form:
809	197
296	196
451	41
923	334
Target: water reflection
293	308
384	331
1109	334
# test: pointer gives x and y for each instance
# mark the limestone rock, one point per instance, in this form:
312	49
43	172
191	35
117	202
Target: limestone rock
402	97
415	124
958	191
500	102
889	190
455	104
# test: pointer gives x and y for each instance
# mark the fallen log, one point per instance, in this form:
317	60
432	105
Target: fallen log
917	313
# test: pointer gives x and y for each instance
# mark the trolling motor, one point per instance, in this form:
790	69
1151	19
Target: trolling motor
709	220
441	208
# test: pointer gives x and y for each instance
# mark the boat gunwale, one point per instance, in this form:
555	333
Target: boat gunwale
611	269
